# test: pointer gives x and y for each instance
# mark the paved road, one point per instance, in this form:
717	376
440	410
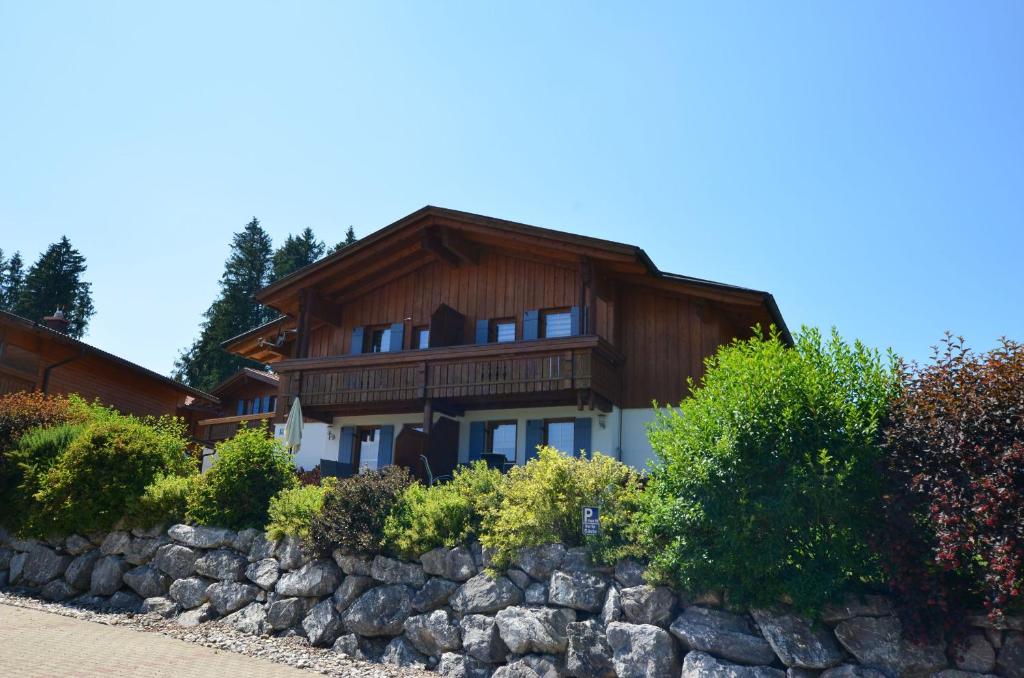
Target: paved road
39	644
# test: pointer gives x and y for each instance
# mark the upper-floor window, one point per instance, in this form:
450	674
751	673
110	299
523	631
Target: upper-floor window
377	339
558	433
501	438
556	322
502	330
421	337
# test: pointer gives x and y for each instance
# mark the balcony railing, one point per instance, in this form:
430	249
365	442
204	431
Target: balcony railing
520	370
222	428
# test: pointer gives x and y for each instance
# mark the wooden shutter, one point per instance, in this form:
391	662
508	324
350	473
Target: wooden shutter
446	326
357	341
397	337
482	326
534	437
574	321
477	439
241	408
345	445
531	324
387	444
581	437
266	403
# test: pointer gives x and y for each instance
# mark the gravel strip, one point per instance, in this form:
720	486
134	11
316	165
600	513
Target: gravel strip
294	652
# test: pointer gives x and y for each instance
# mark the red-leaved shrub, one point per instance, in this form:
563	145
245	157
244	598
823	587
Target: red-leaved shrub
28	409
954	447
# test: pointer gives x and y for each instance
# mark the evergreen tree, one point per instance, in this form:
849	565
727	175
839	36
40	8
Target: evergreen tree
12	278
206	363
296	252
350	238
54	281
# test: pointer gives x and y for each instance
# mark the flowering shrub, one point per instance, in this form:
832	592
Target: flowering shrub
954	446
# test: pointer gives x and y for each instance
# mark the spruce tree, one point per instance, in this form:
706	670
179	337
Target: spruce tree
248	268
54	281
13	282
350	238
296	252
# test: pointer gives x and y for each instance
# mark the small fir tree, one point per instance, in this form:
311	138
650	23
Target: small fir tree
55	281
350	238
296	252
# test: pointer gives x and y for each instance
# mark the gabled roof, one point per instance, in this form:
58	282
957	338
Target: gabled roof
268	378
12	320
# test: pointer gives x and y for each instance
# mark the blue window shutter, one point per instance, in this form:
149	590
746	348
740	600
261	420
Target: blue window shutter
346	444
387	441
255	406
477	439
357	341
397	337
266	403
482	326
581	437
531	324
534	437
241	408
574	321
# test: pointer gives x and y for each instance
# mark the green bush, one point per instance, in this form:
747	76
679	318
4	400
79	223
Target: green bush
354	512
163	502
292	509
543	502
104	469
236	492
37	451
446	514
767	481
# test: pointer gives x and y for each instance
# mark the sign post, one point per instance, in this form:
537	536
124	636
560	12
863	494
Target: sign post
591	521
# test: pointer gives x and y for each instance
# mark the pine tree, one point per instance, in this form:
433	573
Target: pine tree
54	281
206	363
296	252
350	238
12	278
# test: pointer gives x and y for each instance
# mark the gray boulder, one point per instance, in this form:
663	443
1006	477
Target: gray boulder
200	615
290	553
855	671
244	539
323	624
577	559
201	537
452	665
190	592
611	611
629	572
148	532
391	571
796	641
116	543
75	545
589	655
3	579
147	581
878	642
351	588
222	564
536	594
459	564
975	654
284	613
484	593
251	619
228	596
433	633
43	565
348	644
125	601
165	607
175	560
106	575
701	665
434	594
400	652
540	561
519	578
381	611
79	571
141	550
5	558
721	634
264	573
58	590
262	548
481	638
646	604
1010	661
530	666
318	578
642	650
578	590
528	630
17	566
353	564
433	561
856	606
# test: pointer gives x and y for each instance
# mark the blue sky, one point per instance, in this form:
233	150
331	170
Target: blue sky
863	161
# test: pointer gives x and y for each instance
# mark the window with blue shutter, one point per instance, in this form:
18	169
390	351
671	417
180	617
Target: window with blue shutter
357	341
266	403
396	339
477	439
482	327
387	442
574	321
241	408
534	437
347	442
581	437
531	324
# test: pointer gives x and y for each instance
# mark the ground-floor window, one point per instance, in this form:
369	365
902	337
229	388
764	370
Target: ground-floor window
558	433
367	448
501	438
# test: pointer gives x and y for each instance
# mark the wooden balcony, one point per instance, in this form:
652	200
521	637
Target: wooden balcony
221	428
573	370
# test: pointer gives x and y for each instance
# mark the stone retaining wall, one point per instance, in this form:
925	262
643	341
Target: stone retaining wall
551	615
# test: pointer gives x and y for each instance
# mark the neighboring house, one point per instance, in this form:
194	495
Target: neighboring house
40	357
247	398
459	337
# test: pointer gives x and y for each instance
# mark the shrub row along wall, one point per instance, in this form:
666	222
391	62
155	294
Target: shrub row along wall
552	614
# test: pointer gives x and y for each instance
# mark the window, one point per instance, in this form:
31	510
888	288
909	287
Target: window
367	447
273	404
556	323
421	337
501	438
558	433
502	330
256	403
377	340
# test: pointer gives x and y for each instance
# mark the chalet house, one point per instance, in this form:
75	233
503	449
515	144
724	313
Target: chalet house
457	337
38	356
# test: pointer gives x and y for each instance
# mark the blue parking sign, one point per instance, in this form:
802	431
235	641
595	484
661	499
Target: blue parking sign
591	521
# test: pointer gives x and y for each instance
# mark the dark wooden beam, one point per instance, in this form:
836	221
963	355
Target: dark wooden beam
432	243
305	311
325	310
465	250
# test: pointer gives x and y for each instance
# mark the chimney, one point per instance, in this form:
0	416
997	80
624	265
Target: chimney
57	321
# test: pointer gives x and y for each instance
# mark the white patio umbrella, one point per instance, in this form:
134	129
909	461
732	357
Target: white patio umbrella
293	427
